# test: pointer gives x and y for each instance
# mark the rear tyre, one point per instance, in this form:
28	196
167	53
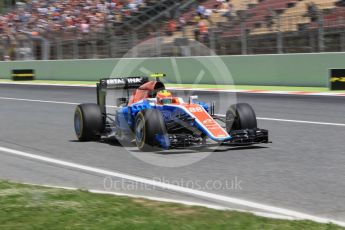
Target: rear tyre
88	122
149	124
240	116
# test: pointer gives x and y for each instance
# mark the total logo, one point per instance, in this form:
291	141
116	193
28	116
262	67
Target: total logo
116	81
123	81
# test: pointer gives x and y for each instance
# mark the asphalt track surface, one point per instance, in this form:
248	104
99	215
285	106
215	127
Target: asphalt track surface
303	169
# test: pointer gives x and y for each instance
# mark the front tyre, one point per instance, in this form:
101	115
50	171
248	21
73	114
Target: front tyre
240	116
149	128
88	122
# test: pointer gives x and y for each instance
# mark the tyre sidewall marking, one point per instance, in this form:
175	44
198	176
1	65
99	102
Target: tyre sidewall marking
81	122
142	144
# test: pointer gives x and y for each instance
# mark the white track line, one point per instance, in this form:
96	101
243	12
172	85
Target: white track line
50	102
295	121
259	118
168	200
329	94
176	188
299	121
109	106
41	101
48	84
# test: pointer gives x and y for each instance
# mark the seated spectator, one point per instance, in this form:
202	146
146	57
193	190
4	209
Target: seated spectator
312	12
172	27
223	7
226	9
181	23
207	13
85	27
196	18
201	10
203	30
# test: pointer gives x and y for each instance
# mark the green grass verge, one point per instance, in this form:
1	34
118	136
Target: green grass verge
34	207
242	87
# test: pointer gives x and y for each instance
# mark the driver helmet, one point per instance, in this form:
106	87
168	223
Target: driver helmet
164	97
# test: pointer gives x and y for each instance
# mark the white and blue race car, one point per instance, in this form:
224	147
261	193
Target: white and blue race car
155	119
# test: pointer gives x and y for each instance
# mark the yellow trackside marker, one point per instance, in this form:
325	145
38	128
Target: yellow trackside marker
23	75
158	75
338	79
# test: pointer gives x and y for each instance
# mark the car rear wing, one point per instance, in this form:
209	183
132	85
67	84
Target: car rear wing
122	83
125	83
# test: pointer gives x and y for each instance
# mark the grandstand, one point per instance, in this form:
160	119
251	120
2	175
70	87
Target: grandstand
4	4
110	28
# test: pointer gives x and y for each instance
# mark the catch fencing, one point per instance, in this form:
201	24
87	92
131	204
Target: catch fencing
318	29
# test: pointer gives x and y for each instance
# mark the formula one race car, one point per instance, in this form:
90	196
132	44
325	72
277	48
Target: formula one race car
155	119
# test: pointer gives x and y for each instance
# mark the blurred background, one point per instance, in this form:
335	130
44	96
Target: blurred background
85	29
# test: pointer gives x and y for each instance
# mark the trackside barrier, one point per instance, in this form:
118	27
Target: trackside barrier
281	70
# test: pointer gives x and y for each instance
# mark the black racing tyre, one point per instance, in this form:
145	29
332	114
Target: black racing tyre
88	122
240	116
148	123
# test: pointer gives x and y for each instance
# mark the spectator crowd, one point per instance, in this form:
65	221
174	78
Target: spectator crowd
72	19
48	16
200	19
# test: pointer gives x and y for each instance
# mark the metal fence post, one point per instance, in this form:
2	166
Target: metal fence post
158	43
113	46
342	42
2	49
212	41
109	41
312	41
134	44
184	33
59	51
45	48
75	49
244	40
94	49
279	35
321	32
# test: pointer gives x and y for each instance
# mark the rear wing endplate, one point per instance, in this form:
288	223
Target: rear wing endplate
125	83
